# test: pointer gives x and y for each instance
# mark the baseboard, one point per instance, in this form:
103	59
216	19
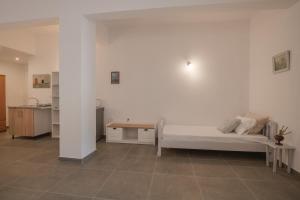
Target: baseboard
77	160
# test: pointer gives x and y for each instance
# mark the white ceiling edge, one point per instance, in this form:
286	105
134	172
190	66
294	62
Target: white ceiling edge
211	12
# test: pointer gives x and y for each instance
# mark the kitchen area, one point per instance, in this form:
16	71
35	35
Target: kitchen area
40	119
36	119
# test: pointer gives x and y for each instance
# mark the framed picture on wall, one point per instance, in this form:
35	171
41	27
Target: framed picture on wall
115	77
41	80
281	62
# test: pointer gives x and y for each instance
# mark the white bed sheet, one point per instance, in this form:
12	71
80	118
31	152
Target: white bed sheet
206	133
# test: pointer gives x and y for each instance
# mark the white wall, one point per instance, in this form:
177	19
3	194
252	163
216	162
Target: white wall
277	95
18	39
155	83
15	83
45	61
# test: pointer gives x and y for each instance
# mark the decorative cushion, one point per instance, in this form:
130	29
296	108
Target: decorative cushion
261	121
245	125
229	125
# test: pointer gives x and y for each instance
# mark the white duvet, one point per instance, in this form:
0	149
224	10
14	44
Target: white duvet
206	133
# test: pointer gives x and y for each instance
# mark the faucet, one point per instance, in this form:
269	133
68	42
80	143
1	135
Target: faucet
36	100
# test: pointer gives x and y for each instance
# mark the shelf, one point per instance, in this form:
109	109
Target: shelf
55	105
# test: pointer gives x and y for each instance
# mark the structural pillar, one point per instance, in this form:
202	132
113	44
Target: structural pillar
77	86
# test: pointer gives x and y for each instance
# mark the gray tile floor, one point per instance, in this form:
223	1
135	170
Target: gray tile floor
30	170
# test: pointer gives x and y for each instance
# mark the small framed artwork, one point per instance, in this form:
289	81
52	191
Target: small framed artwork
115	77
281	62
41	80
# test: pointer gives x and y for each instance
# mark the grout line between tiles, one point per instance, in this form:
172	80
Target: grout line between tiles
111	174
151	181
196	178
242	181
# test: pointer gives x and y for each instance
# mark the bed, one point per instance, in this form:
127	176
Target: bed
210	138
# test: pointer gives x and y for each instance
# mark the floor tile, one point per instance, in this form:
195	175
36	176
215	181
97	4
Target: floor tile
212	168
259	173
44	178
174	165
113	148
143	151
172	187
8	193
137	164
22	169
49	157
126	186
67	163
103	161
224	189
51	196
247	163
21	143
12	154
7	176
82	182
269	190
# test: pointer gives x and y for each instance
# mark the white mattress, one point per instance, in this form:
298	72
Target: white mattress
202	133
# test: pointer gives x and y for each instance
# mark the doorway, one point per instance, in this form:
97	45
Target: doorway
2	104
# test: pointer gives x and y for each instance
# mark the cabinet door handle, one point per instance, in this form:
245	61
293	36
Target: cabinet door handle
145	129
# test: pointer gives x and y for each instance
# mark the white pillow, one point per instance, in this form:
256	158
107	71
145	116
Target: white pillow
245	125
229	125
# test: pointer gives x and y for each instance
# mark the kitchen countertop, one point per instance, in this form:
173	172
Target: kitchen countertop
38	107
31	107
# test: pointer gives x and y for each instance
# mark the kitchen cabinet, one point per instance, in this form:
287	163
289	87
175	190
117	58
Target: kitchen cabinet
29	121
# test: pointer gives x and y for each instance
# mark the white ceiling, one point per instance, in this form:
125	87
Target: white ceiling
241	10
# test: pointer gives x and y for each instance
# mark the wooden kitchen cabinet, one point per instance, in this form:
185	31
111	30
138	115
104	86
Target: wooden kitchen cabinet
29	122
21	122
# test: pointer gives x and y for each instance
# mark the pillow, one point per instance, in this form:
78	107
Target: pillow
245	125
261	121
229	125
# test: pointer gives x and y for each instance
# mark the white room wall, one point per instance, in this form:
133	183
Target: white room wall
20	39
16	76
155	83
45	61
277	95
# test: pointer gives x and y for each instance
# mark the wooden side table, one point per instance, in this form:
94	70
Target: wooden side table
277	153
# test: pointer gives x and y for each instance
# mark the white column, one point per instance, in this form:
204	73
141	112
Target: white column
77	86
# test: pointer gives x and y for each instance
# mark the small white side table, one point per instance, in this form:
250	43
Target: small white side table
277	152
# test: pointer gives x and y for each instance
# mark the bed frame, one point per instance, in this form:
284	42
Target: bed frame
268	131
